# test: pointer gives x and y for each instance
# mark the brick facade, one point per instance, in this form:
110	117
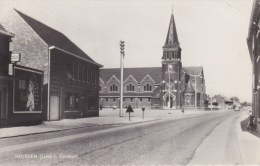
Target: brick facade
65	95
253	42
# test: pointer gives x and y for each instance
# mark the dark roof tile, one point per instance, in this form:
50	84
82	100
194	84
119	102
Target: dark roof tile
138	73
53	37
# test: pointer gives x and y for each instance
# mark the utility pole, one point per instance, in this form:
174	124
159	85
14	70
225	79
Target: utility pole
195	93
122	54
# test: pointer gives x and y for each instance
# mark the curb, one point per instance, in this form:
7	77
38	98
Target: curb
71	128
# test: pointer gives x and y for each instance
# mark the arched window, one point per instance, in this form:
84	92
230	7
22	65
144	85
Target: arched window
113	88
130	87
147	87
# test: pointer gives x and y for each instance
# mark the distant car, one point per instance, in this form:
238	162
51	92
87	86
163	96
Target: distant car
237	108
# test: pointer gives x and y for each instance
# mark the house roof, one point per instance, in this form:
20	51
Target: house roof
5	32
138	73
193	70
53	37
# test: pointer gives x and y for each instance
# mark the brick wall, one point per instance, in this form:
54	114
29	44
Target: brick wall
34	51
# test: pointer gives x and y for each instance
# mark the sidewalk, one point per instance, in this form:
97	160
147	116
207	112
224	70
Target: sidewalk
228	144
107	117
249	143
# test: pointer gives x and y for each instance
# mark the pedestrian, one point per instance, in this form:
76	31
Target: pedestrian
182	110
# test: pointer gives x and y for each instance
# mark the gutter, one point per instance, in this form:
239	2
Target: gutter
54	47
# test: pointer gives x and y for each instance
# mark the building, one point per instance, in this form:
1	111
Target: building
253	42
169	86
71	77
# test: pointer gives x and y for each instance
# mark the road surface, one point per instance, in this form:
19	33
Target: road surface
164	142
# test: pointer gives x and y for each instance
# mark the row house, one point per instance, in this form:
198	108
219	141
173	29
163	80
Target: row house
253	42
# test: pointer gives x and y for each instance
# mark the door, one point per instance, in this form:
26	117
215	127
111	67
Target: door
3	105
54	108
82	107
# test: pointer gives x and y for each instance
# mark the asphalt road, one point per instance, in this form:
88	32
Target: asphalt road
168	142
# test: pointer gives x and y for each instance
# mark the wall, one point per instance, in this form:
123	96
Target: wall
33	50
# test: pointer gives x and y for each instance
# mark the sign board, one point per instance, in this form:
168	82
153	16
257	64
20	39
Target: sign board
15	58
27	92
10	70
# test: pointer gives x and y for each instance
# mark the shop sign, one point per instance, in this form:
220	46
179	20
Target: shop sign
15	58
27	90
10	69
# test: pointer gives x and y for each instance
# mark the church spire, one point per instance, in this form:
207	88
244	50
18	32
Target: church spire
172	38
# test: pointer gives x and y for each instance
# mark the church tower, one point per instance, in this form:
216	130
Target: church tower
171	69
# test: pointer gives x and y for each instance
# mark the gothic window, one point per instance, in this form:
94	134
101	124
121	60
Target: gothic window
113	88
147	87
130	87
167	55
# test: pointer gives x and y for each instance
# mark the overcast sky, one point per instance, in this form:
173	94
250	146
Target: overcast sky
212	34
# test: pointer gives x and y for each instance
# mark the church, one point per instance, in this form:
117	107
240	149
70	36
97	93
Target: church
171	86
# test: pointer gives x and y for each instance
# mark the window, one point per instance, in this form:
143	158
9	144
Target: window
72	101
149	99
113	88
130	87
114	99
131	99
167	55
141	99
69	70
100	88
80	73
147	87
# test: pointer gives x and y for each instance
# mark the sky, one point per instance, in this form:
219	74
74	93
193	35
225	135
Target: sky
212	34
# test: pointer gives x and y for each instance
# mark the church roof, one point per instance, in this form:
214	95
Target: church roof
53	37
172	37
138	73
5	32
193	70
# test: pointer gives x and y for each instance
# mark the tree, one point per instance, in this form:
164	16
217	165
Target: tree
244	104
234	99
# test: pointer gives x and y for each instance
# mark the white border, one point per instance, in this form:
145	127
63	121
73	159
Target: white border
30	112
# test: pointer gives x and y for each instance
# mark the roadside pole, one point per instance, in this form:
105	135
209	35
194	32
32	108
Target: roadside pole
122	52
